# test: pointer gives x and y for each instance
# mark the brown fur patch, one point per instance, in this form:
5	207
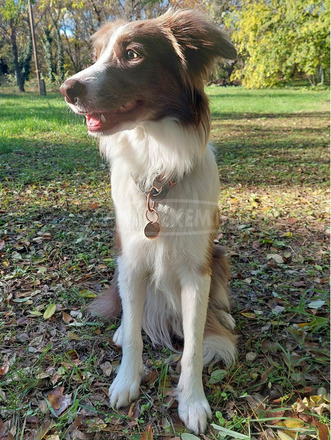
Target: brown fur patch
206	268
219	289
215	328
174	52
108	305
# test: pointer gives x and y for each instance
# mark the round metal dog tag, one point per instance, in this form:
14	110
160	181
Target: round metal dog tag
152	230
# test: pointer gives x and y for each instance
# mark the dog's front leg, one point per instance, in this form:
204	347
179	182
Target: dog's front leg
125	387
193	407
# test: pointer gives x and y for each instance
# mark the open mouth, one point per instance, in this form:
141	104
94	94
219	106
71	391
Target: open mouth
106	121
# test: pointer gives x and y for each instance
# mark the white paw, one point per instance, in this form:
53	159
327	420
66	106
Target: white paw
194	414
118	336
124	389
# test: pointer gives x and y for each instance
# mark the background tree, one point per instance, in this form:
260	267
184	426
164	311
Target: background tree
14	27
279	38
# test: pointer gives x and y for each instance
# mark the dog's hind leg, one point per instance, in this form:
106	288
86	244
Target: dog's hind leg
193	406
125	387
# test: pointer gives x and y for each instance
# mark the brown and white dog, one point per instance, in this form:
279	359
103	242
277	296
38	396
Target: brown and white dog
144	99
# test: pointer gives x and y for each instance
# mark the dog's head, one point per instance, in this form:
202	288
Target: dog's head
147	70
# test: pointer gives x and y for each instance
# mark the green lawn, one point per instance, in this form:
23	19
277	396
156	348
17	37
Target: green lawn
267	101
57	252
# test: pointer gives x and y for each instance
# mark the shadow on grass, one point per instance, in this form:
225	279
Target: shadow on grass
254	150
272	150
28	161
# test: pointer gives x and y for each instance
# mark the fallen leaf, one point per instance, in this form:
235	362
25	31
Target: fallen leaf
58	401
255	401
276	257
73	356
106	368
283	436
43	430
248	315
55	396
217	376
96	425
66	317
148	434
316	304
93	205
49	311
72	335
130	413
299	284
323	431
294	424
4	369
251	356
278	309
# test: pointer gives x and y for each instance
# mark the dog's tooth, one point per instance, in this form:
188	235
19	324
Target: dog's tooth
102	118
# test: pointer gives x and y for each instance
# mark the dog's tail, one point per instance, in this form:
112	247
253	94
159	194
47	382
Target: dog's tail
108	304
219	342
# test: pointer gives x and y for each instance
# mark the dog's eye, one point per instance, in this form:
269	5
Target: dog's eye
131	55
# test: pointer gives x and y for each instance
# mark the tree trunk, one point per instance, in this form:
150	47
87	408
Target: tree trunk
97	12
47	45
26	60
321	75
18	72
60	56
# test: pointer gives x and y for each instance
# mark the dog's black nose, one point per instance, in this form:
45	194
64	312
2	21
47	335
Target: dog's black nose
72	89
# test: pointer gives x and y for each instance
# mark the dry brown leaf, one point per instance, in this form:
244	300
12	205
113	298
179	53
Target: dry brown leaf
4	369
58	401
94	206
318	404
43	430
106	368
150	377
72	335
130	413
55	396
66	317
323	431
148	434
256	401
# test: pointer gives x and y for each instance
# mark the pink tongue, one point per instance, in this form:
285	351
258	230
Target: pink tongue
93	120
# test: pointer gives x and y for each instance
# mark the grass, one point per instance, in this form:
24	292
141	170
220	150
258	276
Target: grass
57	249
236	100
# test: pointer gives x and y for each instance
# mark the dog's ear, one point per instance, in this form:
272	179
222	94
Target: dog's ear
198	41
101	37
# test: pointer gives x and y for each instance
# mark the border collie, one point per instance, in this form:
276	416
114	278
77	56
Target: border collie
144	100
